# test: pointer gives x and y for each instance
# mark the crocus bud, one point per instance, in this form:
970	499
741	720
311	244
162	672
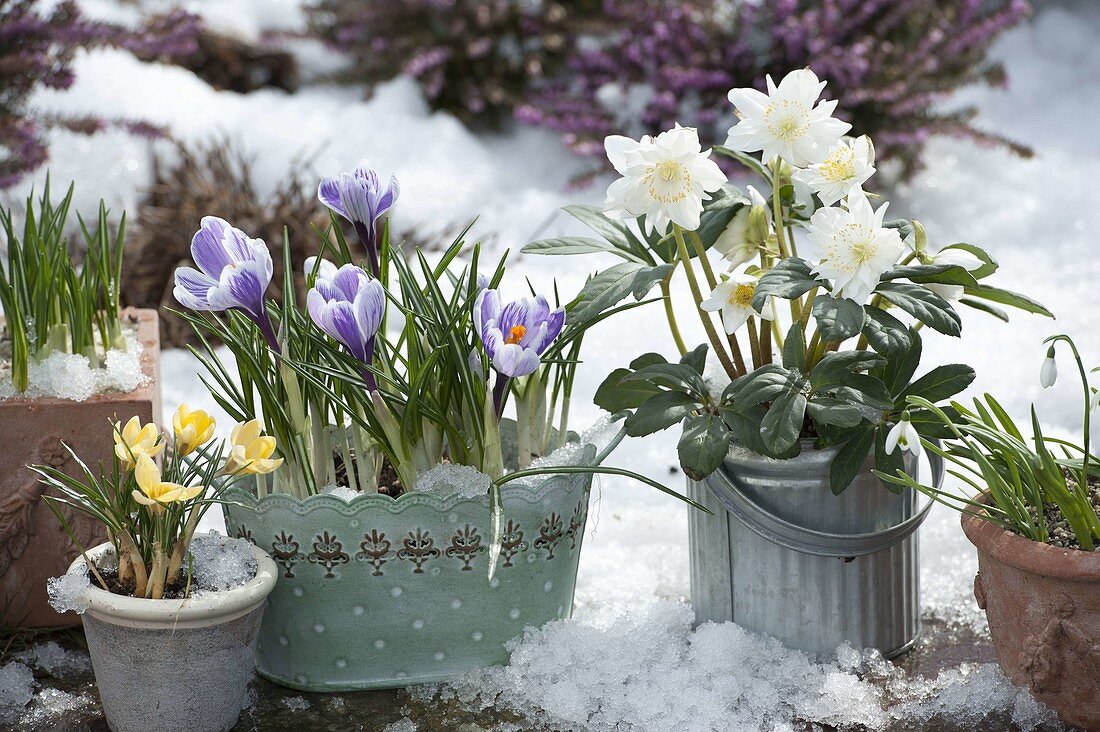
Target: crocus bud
1049	373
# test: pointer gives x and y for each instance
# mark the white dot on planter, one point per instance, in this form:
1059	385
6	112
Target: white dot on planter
283	640
301	678
513	613
435	571
561	611
418	624
477	635
494	582
452	518
439	656
380	644
341	663
396	592
401	674
318	628
531	558
354	523
357	610
548	586
298	592
456	604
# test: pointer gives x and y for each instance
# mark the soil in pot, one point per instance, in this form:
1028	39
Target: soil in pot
1061	535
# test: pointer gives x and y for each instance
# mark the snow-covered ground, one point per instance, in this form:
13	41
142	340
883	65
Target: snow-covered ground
633	660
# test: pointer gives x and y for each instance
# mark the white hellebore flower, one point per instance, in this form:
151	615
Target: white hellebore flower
734	298
847	167
742	238
665	178
853	246
1048	374
903	435
959	258
784	121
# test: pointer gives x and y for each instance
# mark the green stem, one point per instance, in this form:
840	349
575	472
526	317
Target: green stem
704	316
670	313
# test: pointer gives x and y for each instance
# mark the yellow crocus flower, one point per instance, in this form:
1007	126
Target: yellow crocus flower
135	440
156	492
251	451
192	427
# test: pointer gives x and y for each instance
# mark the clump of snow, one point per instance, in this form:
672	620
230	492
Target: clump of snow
342	492
447	479
402	725
55	660
67	592
647	670
297	703
16	690
221	563
49	706
71	376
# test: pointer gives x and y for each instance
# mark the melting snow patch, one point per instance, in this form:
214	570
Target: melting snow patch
71	376
221	563
297	703
56	661
448	479
67	591
51	704
16	690
342	492
402	725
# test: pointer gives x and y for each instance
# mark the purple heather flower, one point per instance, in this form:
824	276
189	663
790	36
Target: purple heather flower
361	198
348	305
516	335
234	272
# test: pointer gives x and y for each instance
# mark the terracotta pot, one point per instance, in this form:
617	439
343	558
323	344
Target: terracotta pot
1043	607
33	545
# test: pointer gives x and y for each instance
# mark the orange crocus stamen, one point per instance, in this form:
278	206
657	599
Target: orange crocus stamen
515	335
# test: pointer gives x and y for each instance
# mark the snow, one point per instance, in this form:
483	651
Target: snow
447	479
402	725
16	690
342	492
220	563
67	591
56	661
71	376
297	703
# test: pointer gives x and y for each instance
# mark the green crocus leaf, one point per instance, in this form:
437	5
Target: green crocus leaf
703	445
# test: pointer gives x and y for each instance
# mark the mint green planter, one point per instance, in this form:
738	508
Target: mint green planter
380	593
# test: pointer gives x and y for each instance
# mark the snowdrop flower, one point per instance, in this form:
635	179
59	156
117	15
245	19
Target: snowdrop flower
517	334
847	167
251	451
135	440
348	305
156	492
1094	401
192	428
854	248
361	198
784	121
1048	374
903	435
734	298
747	232
958	258
234	272
666	178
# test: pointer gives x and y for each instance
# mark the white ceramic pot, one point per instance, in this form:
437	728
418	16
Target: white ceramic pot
175	665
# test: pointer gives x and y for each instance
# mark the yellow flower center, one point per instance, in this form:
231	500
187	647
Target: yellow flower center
787	119
516	334
863	251
852	247
840	166
668	181
741	295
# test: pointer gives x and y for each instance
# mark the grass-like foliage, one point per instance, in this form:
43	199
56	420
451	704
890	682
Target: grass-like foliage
50	303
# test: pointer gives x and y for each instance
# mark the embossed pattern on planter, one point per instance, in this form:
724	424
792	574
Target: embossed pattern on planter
378	592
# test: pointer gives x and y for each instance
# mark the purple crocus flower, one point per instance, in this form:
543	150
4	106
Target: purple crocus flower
515	335
234	272
361	198
348	305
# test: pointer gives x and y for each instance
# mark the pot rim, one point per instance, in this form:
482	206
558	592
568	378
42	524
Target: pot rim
192	612
1022	553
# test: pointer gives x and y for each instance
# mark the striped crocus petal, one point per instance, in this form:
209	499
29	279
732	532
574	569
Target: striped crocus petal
234	270
516	335
348	307
359	196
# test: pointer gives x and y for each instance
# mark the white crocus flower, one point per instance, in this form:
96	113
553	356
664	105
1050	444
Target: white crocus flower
854	248
784	121
848	166
666	178
734	298
903	435
740	241
959	258
1048	374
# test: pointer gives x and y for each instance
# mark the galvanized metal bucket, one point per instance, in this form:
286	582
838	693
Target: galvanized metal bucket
782	555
